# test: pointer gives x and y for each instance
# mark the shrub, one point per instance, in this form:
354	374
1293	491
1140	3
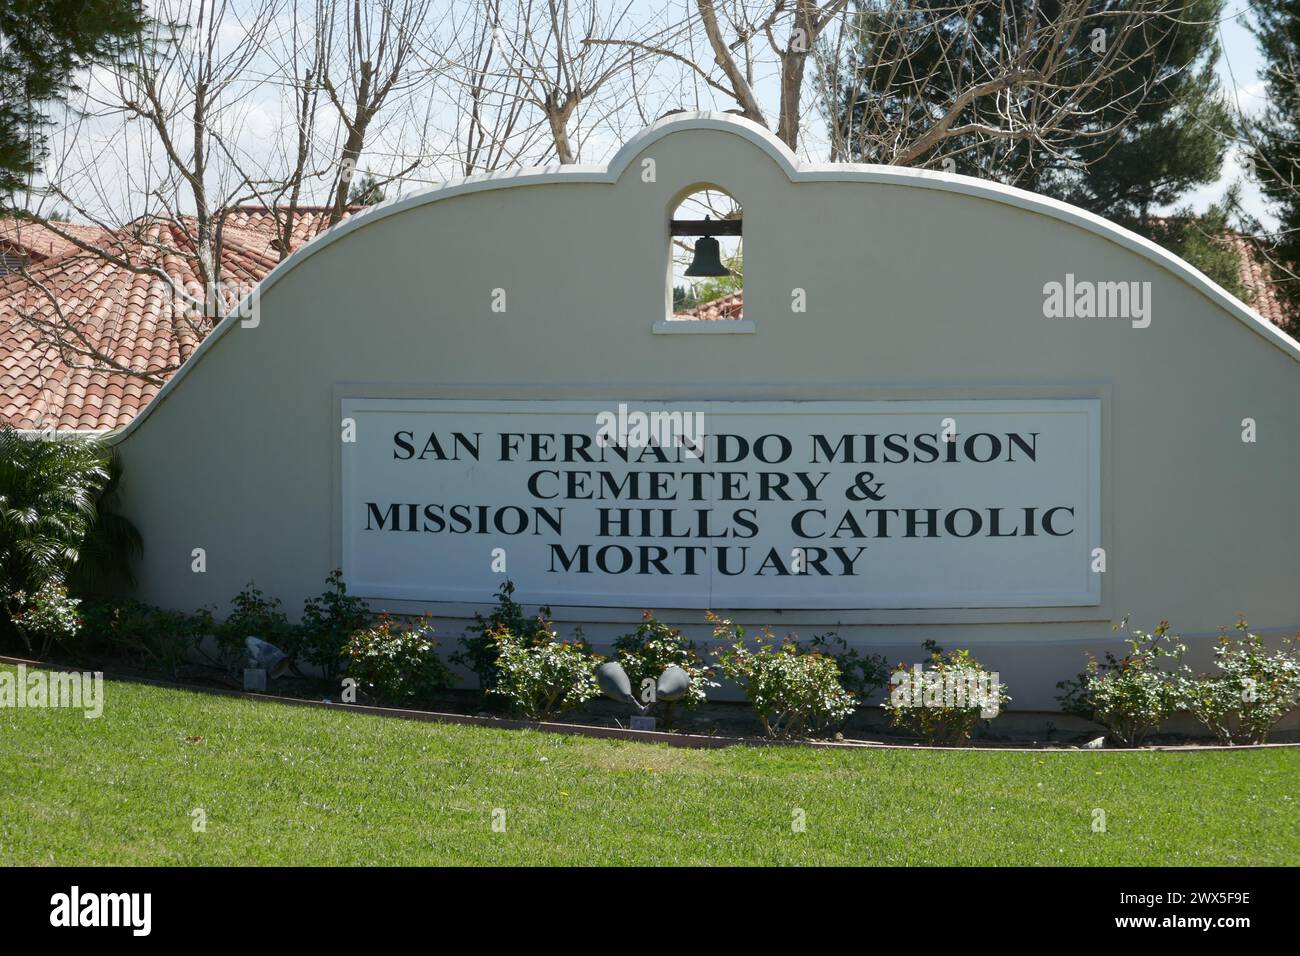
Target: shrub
328	623
48	488
861	674
252	614
1254	689
1129	696
52	531
540	676
44	617
947	702
795	693
396	662
144	636
103	564
649	650
479	649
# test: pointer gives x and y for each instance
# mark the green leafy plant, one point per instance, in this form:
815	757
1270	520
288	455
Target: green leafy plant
478	648
540	676
861	674
653	647
1254	689
252	614
1131	695
144	636
947	701
328	623
52	492
396	662
794	692
103	564
47	616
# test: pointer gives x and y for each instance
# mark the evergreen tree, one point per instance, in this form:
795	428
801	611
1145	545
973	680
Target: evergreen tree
1275	136
1204	242
1112	163
366	191
42	45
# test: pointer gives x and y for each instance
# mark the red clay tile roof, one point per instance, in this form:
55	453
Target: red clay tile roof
728	307
35	242
132	317
1255	277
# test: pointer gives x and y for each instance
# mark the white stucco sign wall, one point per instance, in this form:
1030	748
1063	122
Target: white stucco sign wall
904	504
1104	466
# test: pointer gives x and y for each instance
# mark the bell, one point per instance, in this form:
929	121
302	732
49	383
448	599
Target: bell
707	261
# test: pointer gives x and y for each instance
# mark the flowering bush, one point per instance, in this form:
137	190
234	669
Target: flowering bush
945	703
1254	689
795	693
540	676
44	617
861	674
1129	696
396	662
652	648
479	648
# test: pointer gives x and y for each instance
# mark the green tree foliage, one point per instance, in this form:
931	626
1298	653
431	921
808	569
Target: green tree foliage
366	191
1202	241
1110	162
43	43
1275	135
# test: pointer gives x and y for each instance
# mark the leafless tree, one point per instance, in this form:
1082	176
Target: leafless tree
376	42
220	106
172	118
531	64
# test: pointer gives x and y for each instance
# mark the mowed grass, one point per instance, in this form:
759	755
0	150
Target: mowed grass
295	785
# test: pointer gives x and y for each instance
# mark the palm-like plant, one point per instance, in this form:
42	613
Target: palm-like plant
103	560
56	521
48	490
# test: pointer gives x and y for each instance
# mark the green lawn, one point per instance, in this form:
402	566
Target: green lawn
294	785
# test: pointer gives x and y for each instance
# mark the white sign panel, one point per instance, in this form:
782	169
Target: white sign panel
891	504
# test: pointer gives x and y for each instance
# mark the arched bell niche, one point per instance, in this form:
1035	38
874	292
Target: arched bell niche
706	274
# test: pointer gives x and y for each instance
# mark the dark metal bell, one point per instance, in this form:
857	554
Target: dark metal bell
708	259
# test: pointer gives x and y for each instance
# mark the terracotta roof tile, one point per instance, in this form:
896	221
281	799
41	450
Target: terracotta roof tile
728	307
1255	277
38	242
117	311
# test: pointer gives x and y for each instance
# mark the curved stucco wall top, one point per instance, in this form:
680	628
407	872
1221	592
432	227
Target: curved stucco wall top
795	172
918	285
